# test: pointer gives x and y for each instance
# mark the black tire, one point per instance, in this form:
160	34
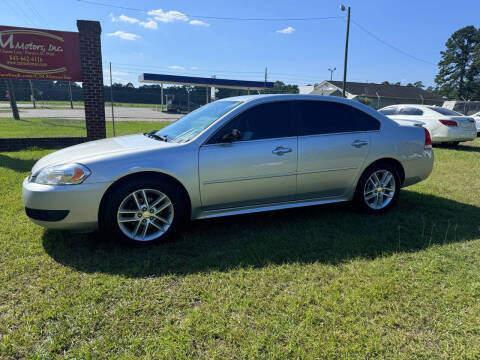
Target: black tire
108	218
359	193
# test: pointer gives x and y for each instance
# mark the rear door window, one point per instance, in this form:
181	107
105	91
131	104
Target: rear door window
325	117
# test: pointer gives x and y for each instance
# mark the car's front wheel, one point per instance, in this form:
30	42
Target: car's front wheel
378	188
144	212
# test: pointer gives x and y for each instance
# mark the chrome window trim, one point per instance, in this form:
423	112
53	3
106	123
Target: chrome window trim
340	133
249	141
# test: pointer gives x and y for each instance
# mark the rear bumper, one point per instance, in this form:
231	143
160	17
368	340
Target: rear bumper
418	169
70	207
447	134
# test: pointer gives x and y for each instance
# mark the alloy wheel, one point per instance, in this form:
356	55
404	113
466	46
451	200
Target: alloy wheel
145	214
379	189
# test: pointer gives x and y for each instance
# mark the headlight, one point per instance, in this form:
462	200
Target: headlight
67	174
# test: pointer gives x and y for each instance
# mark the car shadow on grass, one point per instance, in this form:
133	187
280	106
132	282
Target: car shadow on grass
19	165
329	234
468	147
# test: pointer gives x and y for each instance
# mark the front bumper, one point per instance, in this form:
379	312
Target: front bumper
81	201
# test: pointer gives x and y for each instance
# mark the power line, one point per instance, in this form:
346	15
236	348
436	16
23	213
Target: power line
186	69
36	13
25	13
208	72
390	45
212	17
14	9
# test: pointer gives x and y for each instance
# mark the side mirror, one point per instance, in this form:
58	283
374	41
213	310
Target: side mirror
232	136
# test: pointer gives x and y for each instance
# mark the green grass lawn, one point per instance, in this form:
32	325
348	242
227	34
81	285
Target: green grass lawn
44	127
311	283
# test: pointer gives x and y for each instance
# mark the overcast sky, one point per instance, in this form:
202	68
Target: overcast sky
390	40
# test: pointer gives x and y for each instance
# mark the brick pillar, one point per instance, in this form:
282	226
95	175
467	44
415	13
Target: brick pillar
91	62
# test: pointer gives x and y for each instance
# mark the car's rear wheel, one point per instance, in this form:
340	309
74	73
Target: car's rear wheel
378	188
144	212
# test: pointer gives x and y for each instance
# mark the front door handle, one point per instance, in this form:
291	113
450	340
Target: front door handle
280	150
359	143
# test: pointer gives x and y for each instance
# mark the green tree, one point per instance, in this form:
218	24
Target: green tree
279	87
417	84
459	68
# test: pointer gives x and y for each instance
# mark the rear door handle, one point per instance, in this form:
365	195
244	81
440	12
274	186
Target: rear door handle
359	143
280	150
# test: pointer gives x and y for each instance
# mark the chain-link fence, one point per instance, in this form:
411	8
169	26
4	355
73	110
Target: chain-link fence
56	109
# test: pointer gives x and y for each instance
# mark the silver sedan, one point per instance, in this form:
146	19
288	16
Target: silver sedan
233	156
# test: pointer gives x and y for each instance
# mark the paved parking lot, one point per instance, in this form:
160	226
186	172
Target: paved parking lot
121	113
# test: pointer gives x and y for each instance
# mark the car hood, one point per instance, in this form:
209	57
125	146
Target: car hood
100	148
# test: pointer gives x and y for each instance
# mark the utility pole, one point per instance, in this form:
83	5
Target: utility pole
70	92
331	72
342	7
213	90
161	96
32	94
111	99
13	101
266	78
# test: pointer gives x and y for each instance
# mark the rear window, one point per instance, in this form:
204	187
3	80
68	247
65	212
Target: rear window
444	111
388	111
410	111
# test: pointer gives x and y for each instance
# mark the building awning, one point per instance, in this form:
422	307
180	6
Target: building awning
201	81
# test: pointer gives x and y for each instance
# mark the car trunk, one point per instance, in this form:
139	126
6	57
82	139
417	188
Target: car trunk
463	122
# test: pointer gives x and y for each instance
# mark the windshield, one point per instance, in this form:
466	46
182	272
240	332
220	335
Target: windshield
195	122
444	111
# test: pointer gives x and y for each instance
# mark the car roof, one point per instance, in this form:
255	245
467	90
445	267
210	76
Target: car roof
420	106
247	98
257	99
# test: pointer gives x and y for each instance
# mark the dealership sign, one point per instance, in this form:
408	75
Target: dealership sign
39	54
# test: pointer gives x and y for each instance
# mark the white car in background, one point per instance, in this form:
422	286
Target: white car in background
444	125
476	117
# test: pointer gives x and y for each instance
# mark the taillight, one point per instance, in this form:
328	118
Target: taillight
428	139
448	122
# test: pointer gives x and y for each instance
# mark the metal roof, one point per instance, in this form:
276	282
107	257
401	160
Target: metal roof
384	90
201	81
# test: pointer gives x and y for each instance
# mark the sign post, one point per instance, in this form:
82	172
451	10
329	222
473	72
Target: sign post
32	96
91	65
13	101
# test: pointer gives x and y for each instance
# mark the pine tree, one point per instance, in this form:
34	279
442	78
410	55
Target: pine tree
459	69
